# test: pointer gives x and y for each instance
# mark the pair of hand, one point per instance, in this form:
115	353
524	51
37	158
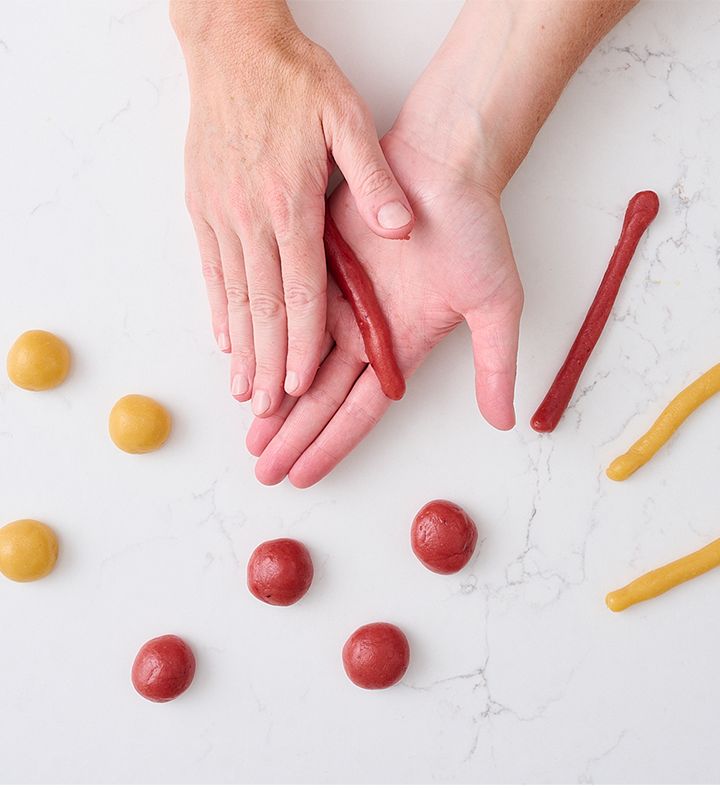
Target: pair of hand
269	115
457	265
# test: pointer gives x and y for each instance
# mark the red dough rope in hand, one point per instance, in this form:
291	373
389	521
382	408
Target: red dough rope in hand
641	210
358	291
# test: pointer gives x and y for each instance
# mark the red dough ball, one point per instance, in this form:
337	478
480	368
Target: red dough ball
376	656
163	669
443	537
280	571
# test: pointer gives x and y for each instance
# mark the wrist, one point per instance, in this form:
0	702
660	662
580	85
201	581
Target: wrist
497	76
459	106
439	122
210	25
231	43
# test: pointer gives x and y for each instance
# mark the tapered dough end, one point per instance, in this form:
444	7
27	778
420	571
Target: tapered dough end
395	392
615	472
391	382
647	202
622	468
540	426
616	601
542	421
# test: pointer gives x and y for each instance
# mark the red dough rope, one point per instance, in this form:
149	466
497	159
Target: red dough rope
358	291
641	210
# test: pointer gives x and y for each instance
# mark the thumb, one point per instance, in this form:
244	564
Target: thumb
379	198
495	328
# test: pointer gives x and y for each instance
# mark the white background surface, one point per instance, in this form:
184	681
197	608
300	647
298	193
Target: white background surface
519	672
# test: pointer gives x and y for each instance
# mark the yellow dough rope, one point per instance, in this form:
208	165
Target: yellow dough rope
666	577
669	420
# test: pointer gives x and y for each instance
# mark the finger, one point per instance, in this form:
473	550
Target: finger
212	270
262	431
379	198
304	276
360	412
267	309
495	331
242	360
309	416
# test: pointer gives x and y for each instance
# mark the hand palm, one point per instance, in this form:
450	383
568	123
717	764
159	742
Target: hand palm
457	265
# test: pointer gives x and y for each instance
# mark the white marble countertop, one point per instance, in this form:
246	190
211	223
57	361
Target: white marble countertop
519	672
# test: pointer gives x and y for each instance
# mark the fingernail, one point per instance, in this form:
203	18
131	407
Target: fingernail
292	381
223	342
260	402
240	385
393	215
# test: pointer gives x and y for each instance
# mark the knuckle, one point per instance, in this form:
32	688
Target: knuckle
297	348
239	210
323	447
279	205
304	346
237	294
323	399
361	415
268	369
212	271
300	294
374	180
242	354
351	113
265	307
300	225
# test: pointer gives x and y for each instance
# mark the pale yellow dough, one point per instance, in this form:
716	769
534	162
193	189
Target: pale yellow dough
38	361
28	550
139	424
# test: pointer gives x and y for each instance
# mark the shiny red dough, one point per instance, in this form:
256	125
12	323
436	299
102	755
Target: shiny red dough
280	571
641	210
443	537
163	669
358	291
376	656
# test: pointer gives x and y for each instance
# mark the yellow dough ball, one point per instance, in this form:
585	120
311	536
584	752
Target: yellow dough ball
139	424
28	550
38	360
